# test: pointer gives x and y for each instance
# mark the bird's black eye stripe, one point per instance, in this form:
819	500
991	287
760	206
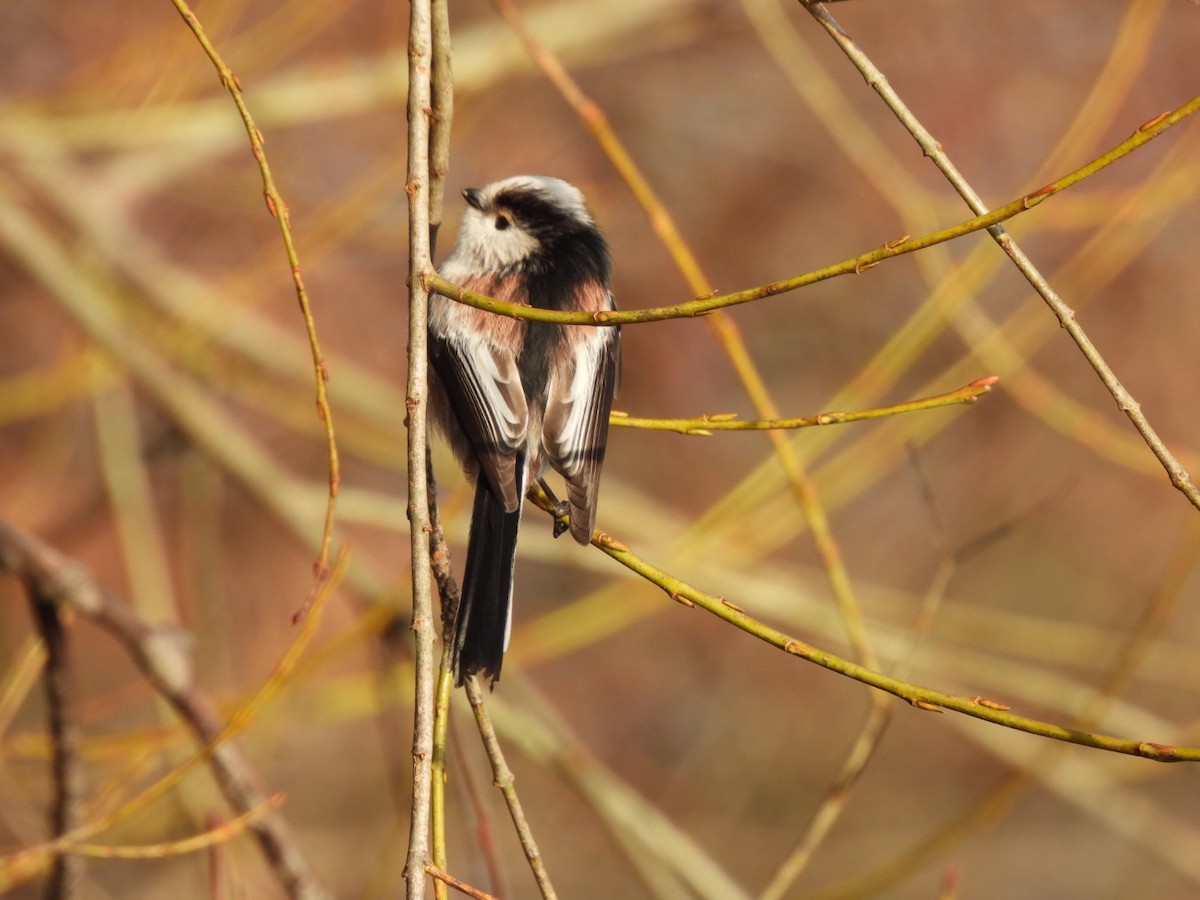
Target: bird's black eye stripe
502	222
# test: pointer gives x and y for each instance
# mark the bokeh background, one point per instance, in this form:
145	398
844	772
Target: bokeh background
1027	549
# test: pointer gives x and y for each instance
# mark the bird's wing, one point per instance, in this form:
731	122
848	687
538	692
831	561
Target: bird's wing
575	427
483	387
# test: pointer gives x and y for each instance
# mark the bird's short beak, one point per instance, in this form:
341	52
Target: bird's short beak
473	198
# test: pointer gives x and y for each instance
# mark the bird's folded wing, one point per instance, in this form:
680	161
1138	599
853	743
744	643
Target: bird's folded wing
483	387
575	429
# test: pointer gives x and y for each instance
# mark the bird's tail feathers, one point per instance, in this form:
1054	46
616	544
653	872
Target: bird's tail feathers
481	628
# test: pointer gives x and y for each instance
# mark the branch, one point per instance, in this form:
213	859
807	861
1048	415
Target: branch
504	779
921	697
418	190
278	209
441	115
1065	315
448	598
206	839
446	878
984	220
706	425
67	868
163	659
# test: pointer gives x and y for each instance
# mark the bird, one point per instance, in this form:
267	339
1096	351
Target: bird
514	397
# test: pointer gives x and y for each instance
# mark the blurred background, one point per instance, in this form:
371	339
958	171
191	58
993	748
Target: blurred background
157	423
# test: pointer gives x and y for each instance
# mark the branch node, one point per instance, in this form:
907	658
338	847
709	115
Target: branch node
1151	123
991	704
925	705
1158	752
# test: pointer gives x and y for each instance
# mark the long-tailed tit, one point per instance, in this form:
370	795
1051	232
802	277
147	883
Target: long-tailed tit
513	396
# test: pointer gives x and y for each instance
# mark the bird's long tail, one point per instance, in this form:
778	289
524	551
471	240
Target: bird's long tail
484	618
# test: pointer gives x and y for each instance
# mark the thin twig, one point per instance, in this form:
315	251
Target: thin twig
1063	312
417	187
504	779
712	302
441	875
442	87
448	594
441	119
67	773
916	695
439	556
706	425
278	209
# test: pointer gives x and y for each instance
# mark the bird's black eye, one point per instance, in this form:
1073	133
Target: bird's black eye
502	222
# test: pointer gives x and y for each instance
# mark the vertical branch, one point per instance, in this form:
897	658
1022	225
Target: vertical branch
442	105
437	799
67	867
443	115
439	556
417	188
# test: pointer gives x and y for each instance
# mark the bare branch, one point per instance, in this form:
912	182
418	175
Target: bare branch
706	425
984	220
504	779
67	773
915	695
164	660
420	62
1065	315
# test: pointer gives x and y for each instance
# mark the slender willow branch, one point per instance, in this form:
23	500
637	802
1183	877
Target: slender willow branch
420	62
855	265
916	695
920	697
206	839
504	779
448	595
446	878
1064	313
278	209
706	425
441	114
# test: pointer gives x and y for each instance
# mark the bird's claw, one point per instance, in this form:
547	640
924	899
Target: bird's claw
560	513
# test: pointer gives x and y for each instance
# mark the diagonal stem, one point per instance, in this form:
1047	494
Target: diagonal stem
1062	311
